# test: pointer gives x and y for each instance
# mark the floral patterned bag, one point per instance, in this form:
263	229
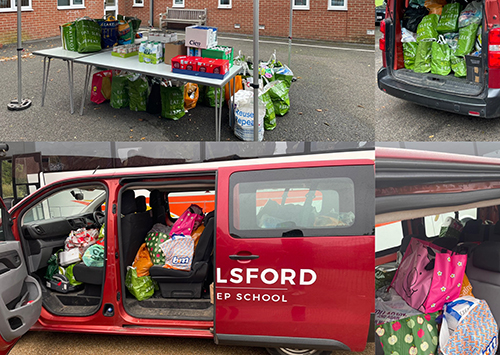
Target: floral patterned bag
415	335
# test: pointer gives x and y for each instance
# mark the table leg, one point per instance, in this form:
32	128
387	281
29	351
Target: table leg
85	88
45	78
220	111
217	138
70	82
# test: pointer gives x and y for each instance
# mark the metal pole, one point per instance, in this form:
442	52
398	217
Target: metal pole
151	12
255	84
290	33
19	104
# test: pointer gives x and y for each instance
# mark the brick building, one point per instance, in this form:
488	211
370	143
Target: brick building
333	20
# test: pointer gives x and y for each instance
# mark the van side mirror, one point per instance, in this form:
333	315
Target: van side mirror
77	195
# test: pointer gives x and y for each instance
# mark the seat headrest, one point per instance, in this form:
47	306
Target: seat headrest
155	198
140	202
207	217
128	202
487	256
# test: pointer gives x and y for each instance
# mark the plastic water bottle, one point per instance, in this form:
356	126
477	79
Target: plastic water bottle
147	52
142	47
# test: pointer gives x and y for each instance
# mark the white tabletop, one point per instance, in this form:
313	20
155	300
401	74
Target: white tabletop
106	60
59	52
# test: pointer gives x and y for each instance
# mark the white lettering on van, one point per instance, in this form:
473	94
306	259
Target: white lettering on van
251	275
236	278
289	278
220	280
255	297
273	280
303	273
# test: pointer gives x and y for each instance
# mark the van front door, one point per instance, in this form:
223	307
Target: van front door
295	254
21	301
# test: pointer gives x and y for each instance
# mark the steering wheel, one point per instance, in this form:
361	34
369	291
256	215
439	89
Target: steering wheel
99	217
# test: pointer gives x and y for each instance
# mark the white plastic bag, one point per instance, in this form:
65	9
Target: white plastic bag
243	101
178	252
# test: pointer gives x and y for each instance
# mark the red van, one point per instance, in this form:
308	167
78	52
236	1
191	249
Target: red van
479	97
288	250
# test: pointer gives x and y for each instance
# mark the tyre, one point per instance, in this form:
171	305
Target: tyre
291	351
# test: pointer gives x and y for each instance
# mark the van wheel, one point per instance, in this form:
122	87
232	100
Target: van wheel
289	351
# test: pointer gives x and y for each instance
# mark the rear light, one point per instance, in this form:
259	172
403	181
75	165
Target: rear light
382	27
494	48
474	113
381	44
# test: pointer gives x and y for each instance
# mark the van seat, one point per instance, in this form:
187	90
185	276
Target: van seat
483	271
188	284
474	231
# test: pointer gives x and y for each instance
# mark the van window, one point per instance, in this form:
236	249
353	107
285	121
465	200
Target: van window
434	223
65	203
292	202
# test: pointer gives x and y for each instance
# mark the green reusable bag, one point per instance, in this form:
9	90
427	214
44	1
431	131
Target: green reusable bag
69	36
415	335
141	288
458	66
88	35
270	117
440	58
427	28
153	241
284	74
278	92
94	256
207	96
71	277
52	265
423	57
172	102
138	88
409	54
449	18
119	91
466	39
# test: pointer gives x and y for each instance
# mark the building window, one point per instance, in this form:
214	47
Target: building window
138	3
11	5
224	4
301	4
70	4
337	4
178	3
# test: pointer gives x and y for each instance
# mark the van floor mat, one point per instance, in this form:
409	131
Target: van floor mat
448	83
167	309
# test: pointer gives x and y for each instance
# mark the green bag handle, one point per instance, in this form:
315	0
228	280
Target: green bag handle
85	18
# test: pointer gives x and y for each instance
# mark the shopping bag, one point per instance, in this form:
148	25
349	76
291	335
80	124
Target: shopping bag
197	234
188	221
172	101
279	94
82	239
390	307
244	116
458	66
429	276
473	13
449	18
423	57
52	265
124	33
154	99
109	32
69	36
142	261
156	236
415	335
435	6
88	35
94	256
119	91
427	29
191	95
140	287
207	96
440	57
270	117
412	17
101	86
468	328
70	275
409	54
178	252
284	74
466	39
236	85
466	289
138	90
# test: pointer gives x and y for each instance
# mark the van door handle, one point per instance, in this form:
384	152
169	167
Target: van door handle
243	257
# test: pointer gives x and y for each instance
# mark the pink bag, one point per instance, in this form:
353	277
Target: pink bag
99	94
188	222
429	276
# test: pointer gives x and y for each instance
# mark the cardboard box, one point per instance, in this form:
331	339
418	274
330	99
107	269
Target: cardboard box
475	72
222	52
201	36
185	63
172	50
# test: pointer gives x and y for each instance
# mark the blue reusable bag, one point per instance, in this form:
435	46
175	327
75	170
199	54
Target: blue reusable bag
109	32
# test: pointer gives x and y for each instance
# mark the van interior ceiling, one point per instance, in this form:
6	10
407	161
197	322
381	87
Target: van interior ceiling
407	45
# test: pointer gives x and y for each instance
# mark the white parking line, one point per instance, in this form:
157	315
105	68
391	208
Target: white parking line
301	45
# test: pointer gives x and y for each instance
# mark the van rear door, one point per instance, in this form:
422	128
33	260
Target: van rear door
295	254
21	301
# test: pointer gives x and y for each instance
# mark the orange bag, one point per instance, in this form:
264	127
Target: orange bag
197	234
466	289
142	261
435	6
238	86
191	94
